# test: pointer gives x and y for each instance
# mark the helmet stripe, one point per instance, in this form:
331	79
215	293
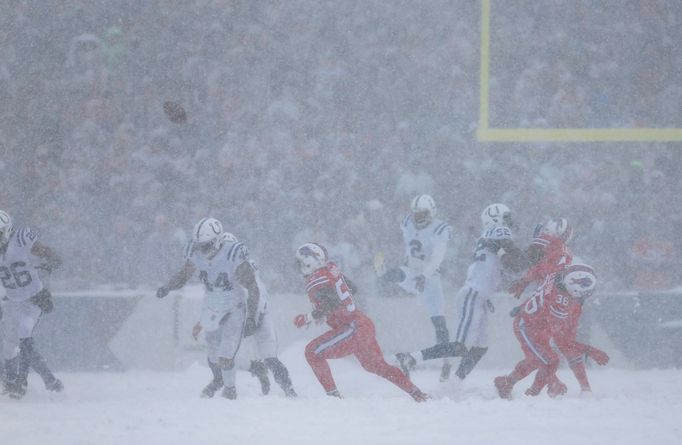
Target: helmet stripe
201	223
235	250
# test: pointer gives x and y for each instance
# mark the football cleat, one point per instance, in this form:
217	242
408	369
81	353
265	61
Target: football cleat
406	362
230	392
289	392
55	385
534	390
504	387
210	389
334	393
17	389
419	396
556	388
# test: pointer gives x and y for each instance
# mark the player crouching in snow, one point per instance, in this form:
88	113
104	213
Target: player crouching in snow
551	313
352	332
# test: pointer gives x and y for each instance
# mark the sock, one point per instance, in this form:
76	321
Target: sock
279	371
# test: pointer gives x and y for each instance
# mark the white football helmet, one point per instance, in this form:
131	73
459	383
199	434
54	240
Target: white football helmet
559	228
579	280
423	209
208	236
496	215
6	227
310	257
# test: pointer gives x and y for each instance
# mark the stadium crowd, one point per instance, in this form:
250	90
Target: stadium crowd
321	120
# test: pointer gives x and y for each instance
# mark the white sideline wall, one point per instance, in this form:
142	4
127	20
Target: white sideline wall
158	333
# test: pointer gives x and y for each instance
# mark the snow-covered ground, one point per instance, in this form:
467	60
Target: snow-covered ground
145	407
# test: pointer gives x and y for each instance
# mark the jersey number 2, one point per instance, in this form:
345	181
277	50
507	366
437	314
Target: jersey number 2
415	250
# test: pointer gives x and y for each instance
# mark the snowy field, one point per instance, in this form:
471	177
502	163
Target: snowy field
628	407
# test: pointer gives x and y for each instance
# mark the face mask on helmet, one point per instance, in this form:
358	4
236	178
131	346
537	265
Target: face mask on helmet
310	257
579	280
208	236
6	227
496	215
423	209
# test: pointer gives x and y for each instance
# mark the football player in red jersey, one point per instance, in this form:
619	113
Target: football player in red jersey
547	253
552	312
352	332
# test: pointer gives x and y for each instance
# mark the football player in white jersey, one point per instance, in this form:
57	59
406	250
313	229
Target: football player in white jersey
234	306
27	299
426	240
494	251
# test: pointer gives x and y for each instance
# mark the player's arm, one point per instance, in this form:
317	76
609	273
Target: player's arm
52	260
511	256
177	280
246	276
325	300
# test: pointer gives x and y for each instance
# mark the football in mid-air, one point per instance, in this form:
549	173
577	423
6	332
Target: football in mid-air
175	112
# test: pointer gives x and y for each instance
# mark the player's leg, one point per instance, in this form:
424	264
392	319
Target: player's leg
536	347
25	316
35	361
266	343
530	344
546	373
10	349
466	301
555	387
577	365
227	339
332	344
505	384
477	337
216	382
575	355
369	354
435	303
258	370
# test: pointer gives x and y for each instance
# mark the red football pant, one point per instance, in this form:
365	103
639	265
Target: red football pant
357	338
538	355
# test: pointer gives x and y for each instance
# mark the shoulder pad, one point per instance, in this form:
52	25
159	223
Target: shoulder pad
406	221
333	270
238	252
26	237
443	229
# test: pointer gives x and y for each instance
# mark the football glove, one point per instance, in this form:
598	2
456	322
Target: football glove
517	288
162	292
43	300
302	320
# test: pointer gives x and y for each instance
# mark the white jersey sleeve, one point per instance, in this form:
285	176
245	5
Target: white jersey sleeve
238	253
